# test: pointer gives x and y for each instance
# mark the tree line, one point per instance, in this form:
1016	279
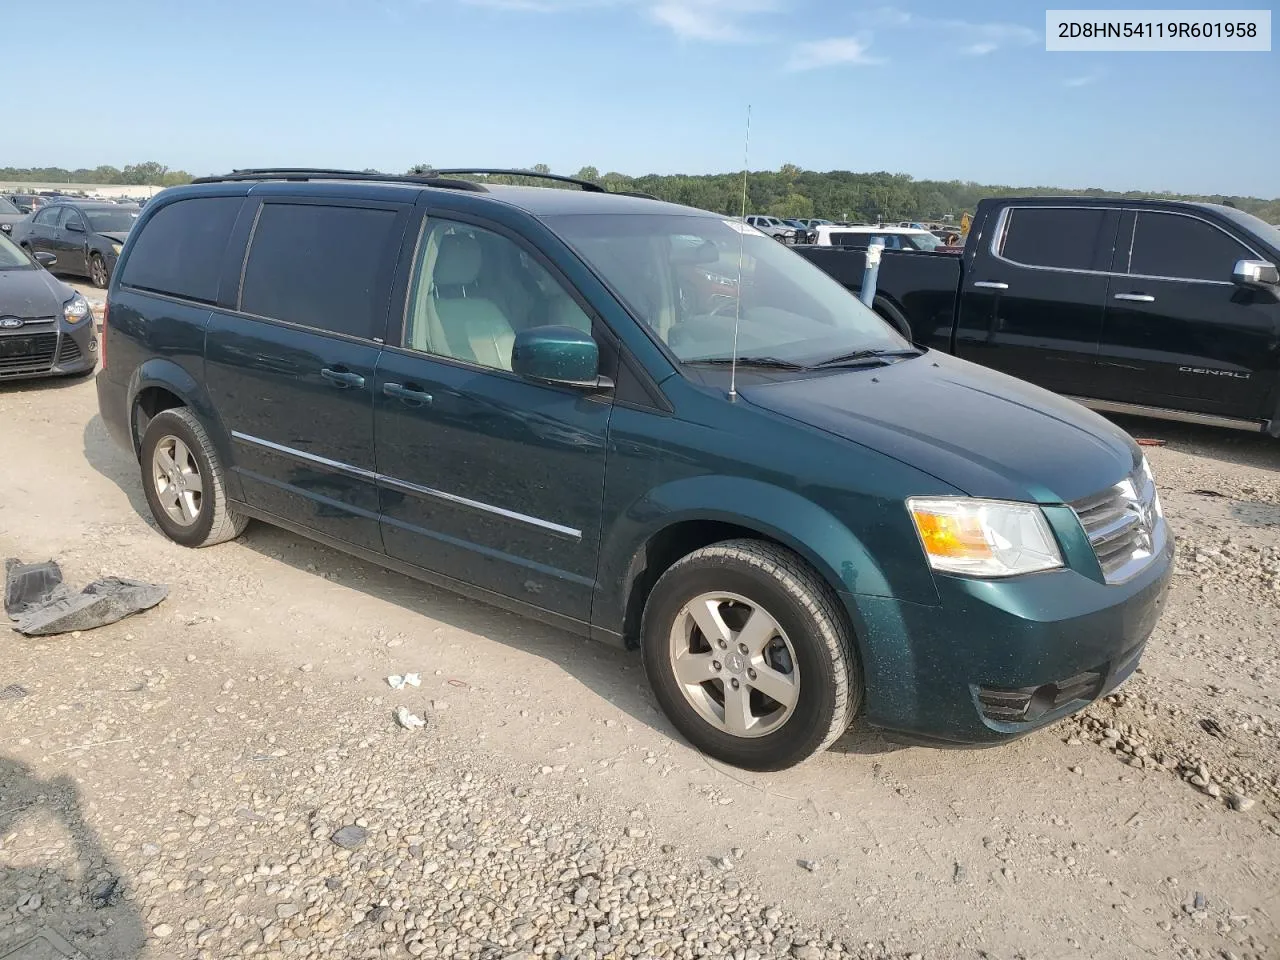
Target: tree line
844	195
787	192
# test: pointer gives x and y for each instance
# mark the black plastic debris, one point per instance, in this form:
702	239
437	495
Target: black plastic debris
44	606
28	584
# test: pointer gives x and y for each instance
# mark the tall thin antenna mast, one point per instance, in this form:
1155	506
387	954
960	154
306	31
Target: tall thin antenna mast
742	236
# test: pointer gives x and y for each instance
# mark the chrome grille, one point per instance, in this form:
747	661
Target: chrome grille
1124	526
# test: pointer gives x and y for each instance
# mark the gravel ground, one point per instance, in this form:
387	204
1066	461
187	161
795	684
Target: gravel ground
223	776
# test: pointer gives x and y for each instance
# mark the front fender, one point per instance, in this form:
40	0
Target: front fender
782	515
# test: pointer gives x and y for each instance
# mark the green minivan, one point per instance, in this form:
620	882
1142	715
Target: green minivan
643	423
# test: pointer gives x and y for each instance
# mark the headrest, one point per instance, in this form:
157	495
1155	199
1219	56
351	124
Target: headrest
458	261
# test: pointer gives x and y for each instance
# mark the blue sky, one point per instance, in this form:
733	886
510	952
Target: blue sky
935	90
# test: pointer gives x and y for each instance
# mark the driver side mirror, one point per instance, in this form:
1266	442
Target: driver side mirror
45	260
1257	274
75	226
560	355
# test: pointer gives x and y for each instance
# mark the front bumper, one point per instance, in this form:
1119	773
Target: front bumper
996	659
48	349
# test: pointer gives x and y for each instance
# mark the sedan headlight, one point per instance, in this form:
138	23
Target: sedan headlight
116	248
6	227
984	538
75	309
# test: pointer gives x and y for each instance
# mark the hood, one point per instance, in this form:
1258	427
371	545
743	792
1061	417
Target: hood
29	294
118	236
973	428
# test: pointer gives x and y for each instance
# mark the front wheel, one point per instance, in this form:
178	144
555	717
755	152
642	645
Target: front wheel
749	655
184	483
98	271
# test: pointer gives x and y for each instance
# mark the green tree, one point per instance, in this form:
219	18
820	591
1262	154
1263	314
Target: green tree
588	173
791	206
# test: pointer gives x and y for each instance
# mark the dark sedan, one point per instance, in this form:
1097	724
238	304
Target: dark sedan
86	237
46	328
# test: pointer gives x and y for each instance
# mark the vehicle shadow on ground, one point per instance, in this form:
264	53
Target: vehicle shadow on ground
1230	446
56	910
44	384
101	453
613	674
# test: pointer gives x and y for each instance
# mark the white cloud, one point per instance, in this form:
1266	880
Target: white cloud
716	21
832	52
1084	79
977	39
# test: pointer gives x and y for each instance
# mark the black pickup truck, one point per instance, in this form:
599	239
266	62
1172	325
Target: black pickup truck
1148	307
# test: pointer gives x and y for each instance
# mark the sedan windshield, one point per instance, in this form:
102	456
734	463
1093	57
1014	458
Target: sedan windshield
8	208
111	221
680	276
11	257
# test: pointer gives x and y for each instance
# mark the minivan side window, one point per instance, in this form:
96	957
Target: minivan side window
474	289
1183	248
321	266
1061	237
179	251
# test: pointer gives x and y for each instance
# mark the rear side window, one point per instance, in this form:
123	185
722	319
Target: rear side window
321	266
1169	245
179	251
1065	238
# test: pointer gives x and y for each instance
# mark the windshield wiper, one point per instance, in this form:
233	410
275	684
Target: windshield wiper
865	356
774	362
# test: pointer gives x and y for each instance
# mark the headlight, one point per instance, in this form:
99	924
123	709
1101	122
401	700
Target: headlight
6	227
116	248
1155	491
984	538
75	309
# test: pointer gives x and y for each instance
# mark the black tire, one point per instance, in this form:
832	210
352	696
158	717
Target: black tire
98	274
804	607
215	520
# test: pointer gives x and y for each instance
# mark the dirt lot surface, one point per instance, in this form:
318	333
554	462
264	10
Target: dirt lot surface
221	776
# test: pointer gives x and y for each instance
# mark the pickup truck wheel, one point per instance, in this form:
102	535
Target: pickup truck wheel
183	481
749	655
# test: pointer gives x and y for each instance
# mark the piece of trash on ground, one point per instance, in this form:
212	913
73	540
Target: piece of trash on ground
398	682
1149	442
42	605
408	720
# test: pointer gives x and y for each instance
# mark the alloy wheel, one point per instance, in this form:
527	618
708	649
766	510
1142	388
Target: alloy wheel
179	487
734	664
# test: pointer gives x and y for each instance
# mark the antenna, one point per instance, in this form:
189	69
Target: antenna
742	236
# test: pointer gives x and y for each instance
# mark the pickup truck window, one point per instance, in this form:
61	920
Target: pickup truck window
1182	248
679	276
1065	238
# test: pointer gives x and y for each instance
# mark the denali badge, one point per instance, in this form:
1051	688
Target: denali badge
10	323
1210	372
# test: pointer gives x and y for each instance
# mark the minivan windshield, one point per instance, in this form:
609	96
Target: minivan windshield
12	257
679	275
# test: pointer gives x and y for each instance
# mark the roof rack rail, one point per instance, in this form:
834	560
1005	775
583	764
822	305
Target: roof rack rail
586	185
636	193
318	173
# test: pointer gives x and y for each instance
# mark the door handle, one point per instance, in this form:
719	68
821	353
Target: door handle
409	395
341	377
991	285
1136	297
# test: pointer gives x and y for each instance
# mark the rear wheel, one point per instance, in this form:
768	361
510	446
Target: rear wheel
749	655
98	271
184	482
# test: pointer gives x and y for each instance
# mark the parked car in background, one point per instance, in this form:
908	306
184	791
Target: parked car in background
27	202
9	215
803	233
85	236
46	328
895	238
773	227
509	392
1151	307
